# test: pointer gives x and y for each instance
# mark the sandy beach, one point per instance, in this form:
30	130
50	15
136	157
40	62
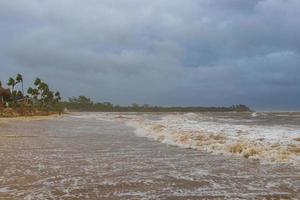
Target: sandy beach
83	158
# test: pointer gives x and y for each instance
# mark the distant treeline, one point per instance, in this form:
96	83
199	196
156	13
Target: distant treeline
83	103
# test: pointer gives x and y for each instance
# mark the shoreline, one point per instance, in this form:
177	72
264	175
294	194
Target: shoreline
31	117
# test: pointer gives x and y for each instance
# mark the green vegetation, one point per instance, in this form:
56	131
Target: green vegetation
37	100
40	98
42	95
83	103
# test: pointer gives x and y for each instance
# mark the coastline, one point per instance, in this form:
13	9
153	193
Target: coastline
30	117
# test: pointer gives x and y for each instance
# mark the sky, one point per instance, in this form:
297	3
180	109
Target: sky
158	52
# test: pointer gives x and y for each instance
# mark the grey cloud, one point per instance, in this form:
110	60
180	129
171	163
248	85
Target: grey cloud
158	52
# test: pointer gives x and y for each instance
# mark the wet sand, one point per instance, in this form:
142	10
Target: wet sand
68	158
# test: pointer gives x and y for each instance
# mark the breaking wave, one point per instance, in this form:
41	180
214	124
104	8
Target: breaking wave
202	132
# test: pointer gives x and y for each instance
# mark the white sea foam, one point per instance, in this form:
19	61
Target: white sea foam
199	131
4	189
254	114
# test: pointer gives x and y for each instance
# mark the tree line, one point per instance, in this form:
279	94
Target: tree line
83	103
42	97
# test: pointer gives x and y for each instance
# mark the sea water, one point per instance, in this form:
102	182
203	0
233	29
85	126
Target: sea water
178	156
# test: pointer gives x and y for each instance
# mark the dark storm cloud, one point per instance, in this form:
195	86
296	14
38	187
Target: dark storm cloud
159	52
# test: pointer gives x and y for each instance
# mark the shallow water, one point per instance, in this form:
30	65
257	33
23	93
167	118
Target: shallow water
88	158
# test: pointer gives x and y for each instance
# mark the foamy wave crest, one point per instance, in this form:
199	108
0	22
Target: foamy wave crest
197	131
254	114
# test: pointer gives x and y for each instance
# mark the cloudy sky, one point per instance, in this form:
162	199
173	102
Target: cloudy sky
160	52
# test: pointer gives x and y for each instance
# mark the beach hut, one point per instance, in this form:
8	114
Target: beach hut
5	95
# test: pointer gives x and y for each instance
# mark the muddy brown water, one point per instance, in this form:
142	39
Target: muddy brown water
68	158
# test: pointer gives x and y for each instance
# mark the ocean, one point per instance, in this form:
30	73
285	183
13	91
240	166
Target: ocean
152	156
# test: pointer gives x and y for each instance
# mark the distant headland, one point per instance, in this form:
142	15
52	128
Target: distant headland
83	103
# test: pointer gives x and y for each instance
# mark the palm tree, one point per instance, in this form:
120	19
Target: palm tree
35	93
57	97
19	79
30	91
43	91
43	86
11	82
37	81
57	94
43	95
